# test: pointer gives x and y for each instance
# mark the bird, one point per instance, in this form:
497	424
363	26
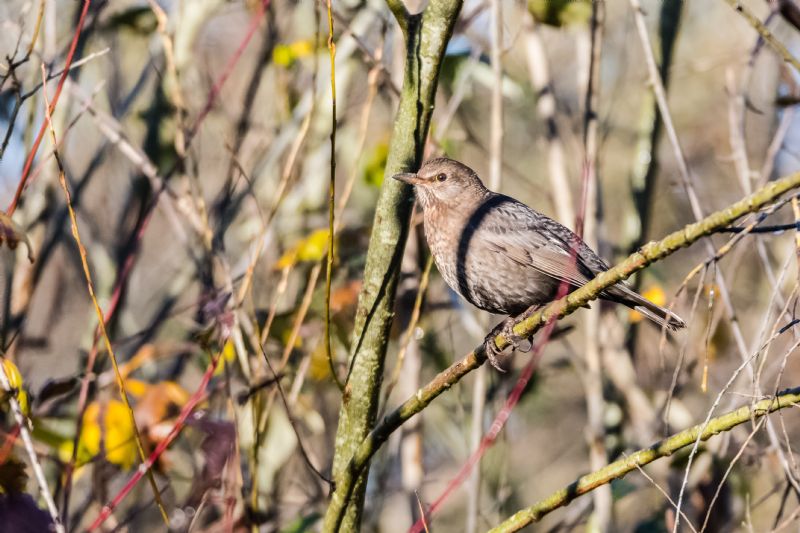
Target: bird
503	256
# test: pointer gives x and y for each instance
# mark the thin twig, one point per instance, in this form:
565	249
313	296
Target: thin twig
728	471
694	202
32	153
764	32
90	287
331	205
496	117
663	448
665	494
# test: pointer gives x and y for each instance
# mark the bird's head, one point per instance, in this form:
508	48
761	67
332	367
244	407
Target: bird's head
444	181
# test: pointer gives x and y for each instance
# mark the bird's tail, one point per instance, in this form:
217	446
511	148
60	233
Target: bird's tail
656	313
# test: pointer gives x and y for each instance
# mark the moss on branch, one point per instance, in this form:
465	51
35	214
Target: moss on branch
426	37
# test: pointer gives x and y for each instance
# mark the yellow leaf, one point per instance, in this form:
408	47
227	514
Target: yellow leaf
135	387
228	356
287	333
312	248
319	369
117	432
656	295
119	436
286	54
15	382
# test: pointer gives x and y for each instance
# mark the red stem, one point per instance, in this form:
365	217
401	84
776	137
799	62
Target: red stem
162	446
32	154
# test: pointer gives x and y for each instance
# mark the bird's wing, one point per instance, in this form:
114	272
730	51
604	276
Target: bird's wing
532	239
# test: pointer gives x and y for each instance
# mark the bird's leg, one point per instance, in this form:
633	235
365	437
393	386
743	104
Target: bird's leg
493	353
506	329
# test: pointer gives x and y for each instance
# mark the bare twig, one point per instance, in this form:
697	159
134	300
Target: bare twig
586	225
90	287
32	154
331	205
496	129
764	32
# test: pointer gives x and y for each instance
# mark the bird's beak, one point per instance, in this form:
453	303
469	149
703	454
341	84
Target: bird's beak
409	177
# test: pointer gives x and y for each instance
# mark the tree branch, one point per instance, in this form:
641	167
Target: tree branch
765	34
401	14
648	254
663	448
426	37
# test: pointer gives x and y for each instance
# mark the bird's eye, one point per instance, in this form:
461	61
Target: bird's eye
441	177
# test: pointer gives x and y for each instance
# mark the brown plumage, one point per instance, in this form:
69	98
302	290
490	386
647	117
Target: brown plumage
501	255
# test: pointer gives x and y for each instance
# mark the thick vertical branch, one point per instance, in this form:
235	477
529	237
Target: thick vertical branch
426	36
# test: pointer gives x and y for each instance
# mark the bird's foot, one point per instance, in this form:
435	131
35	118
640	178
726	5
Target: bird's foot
493	352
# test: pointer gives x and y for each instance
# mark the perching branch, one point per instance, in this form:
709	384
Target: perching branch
648	254
663	448
426	37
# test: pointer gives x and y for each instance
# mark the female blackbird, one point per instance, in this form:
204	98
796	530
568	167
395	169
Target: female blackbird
501	255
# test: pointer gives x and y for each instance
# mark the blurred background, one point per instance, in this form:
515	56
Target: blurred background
195	141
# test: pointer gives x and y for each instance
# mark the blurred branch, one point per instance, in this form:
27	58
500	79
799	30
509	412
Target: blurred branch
546	108
762	229
587	225
663	448
496	113
790	12
648	254
426	36
646	163
32	154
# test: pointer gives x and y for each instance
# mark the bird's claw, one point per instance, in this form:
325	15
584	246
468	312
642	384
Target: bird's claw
493	352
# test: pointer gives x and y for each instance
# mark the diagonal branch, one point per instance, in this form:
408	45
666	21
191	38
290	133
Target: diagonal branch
764	32
648	254
663	448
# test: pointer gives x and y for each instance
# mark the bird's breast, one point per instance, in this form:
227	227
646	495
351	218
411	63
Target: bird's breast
489	280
